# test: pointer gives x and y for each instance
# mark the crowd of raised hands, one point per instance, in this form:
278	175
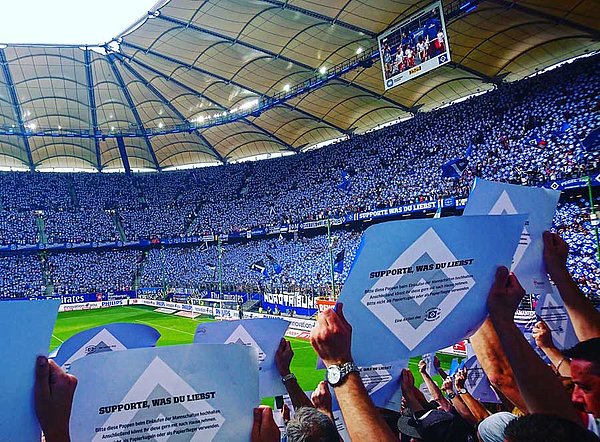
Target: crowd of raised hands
539	402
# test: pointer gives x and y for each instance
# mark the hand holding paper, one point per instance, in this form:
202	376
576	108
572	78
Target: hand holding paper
505	295
283	357
556	251
53	393
331	337
264	428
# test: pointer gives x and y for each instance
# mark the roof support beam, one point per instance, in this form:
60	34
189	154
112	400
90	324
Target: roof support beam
198	94
92	100
323	17
551	18
276	56
124	157
218	77
16	108
136	115
173	109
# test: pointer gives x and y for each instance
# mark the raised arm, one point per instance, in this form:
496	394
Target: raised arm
540	388
331	338
283	359
322	400
543	339
492	358
434	390
476	408
407	383
438	367
460	407
585	318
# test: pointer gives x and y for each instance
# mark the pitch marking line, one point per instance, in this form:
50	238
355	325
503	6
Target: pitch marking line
164	326
58	339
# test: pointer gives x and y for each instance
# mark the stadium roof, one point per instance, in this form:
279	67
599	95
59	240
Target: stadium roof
223	80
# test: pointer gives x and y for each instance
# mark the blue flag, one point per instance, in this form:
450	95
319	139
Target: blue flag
453	367
110	337
454	168
427	289
276	267
338	264
27	326
262	334
175	392
345	184
591	143
469	149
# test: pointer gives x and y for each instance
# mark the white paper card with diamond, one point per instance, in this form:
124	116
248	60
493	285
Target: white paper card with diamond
490	198
420	285
176	393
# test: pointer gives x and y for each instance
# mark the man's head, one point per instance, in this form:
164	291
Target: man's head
585	371
545	428
310	425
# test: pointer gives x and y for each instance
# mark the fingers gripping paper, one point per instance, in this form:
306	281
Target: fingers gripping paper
417	286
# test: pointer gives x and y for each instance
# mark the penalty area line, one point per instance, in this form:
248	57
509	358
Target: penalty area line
58	339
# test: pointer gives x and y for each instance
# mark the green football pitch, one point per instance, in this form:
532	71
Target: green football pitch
176	330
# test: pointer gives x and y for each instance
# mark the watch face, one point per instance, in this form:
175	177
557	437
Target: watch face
333	374
462	391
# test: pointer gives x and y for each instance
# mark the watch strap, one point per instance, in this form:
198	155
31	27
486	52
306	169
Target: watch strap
288	377
347	368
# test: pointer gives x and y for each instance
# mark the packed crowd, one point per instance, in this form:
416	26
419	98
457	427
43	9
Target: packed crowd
303	262
539	402
91	272
526	132
293	263
21	276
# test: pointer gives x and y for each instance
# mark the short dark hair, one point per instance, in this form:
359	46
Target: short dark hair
587	351
546	428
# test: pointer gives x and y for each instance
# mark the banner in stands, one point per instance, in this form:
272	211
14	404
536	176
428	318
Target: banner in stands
324	304
574	183
179	392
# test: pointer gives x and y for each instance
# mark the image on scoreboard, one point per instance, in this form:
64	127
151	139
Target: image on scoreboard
414	47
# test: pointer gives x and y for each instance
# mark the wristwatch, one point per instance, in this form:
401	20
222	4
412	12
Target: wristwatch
337	373
451	395
462	391
288	377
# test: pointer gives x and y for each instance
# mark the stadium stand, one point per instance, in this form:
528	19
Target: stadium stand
395	165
